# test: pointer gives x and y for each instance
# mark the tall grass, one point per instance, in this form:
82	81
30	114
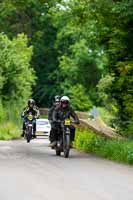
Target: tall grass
10	121
9	130
112	149
13	113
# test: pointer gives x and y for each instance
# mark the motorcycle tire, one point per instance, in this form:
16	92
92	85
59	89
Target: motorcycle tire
58	152
29	135
28	138
66	148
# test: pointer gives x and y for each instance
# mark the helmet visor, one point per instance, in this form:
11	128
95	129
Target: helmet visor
65	102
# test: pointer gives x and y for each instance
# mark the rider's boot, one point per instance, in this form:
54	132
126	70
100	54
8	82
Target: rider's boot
52	144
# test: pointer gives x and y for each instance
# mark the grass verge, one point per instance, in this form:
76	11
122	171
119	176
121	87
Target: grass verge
9	131
112	149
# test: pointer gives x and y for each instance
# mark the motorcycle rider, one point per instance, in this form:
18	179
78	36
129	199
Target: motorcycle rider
55	104
50	117
64	110
31	108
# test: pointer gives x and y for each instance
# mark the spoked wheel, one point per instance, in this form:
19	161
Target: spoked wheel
66	146
58	148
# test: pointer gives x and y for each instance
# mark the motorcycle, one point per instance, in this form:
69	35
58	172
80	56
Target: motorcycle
63	138
29	127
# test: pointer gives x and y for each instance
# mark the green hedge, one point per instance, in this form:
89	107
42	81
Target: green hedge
112	149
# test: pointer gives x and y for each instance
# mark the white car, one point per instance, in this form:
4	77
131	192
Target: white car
43	127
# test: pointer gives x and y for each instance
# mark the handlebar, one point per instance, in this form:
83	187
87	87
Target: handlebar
34	117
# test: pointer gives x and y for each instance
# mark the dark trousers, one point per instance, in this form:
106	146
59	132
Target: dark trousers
72	131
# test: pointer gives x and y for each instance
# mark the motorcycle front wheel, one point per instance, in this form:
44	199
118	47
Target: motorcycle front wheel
66	145
29	134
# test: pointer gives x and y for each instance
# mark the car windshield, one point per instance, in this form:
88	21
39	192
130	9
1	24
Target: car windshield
42	122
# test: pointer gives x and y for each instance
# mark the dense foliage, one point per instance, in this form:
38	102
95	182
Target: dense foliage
81	48
61	55
16	80
16	76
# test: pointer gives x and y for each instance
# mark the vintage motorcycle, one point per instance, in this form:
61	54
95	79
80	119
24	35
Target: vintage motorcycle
63	138
29	127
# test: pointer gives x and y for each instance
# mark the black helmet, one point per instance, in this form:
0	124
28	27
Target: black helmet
31	101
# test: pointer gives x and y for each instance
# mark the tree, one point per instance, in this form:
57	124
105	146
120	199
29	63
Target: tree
33	18
80	58
16	75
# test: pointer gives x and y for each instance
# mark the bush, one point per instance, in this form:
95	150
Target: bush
16	75
106	115
79	99
10	121
9	131
112	149
2	112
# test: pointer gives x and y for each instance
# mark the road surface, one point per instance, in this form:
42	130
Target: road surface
33	172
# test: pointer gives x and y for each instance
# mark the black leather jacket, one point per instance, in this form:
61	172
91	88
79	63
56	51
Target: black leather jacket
50	113
59	114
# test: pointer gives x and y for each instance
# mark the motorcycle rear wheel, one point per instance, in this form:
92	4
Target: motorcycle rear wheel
58	152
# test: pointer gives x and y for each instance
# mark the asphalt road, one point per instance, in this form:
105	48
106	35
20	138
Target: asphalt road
33	172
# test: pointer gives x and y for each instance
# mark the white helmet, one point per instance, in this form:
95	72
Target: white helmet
65	98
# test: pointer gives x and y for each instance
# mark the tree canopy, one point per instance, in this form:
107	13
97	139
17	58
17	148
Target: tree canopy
81	48
16	76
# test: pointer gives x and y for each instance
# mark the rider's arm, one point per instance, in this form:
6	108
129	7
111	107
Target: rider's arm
75	117
37	112
55	115
24	112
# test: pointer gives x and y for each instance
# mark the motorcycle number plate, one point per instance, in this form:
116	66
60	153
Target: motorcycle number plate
30	117
67	122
